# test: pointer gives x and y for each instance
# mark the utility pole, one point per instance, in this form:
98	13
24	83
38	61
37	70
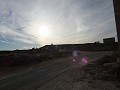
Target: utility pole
116	4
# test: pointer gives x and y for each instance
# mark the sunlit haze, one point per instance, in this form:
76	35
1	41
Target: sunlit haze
44	31
33	23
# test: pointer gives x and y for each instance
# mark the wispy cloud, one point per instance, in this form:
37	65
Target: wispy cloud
69	21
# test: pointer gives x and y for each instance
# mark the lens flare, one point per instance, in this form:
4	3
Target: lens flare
73	60
84	60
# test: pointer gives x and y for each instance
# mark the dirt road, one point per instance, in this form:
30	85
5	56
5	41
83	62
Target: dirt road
41	77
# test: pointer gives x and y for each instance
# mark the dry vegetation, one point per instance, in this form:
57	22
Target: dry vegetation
14	59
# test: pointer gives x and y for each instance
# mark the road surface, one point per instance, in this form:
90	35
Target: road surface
36	77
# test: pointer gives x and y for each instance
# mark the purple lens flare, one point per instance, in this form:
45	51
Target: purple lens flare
84	60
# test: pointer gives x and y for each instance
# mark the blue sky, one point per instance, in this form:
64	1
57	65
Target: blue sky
33	23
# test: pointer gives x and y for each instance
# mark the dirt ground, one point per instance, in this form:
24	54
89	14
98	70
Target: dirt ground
77	79
9	71
100	75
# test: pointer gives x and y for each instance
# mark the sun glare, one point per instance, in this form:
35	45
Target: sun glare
44	32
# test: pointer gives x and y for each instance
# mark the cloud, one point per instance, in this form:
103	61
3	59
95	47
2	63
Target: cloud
69	21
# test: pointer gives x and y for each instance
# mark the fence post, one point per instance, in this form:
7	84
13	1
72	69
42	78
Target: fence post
116	4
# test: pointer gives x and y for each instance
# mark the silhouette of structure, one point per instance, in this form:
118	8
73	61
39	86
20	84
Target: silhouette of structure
116	4
109	40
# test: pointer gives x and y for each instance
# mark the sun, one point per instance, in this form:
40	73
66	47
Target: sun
44	31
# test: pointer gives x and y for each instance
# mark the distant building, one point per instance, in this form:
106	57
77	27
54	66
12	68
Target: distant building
109	40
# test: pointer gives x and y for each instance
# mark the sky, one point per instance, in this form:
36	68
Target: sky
26	24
